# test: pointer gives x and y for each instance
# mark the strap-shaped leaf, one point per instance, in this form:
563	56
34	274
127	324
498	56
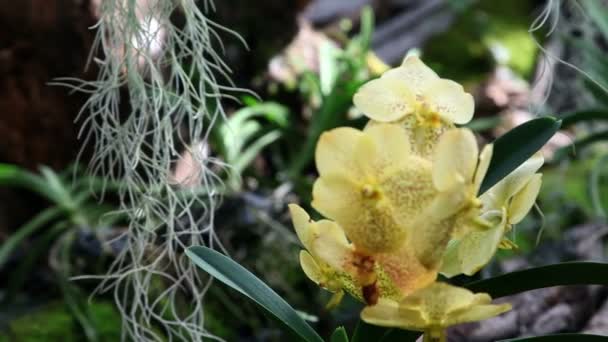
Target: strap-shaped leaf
236	276
561	338
569	119
566	273
368	332
516	146
339	335
579	145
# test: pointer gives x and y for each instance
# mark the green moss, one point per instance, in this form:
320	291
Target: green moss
54	322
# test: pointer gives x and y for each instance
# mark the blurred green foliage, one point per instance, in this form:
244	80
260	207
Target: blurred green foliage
54	322
485	33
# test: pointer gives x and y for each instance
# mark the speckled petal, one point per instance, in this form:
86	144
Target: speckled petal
450	101
388	313
405	270
336	197
392	146
335	151
385	99
369	222
478	247
434	228
302	224
310	267
438	300
455	158
482	167
450	265
523	201
477	313
414	73
498	195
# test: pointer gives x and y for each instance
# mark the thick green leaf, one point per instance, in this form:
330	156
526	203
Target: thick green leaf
401	335
566	273
561	338
236	276
339	335
516	146
579	144
572	118
368	332
483	124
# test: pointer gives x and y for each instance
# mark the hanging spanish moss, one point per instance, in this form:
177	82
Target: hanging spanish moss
173	81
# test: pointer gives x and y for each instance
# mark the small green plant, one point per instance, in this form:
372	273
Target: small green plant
73	210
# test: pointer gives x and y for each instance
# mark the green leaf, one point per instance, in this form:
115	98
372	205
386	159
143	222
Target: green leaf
483	124
571	118
579	144
339	335
566	273
401	335
516	146
13	241
598	13
236	276
368	332
561	338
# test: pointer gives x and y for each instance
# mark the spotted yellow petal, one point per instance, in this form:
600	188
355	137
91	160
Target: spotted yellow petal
335	197
433	229
335	151
310	267
477	248
414	73
499	195
366	216
337	254
450	265
302	224
450	101
477	313
438	300
455	158
405	271
482	167
385	99
388	313
523	201
332	231
392	145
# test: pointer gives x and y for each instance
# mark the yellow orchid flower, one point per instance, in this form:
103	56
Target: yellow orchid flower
331	262
422	102
413	88
459	169
397	208
504	205
433	309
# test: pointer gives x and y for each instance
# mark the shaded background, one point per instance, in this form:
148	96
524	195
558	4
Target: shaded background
305	60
